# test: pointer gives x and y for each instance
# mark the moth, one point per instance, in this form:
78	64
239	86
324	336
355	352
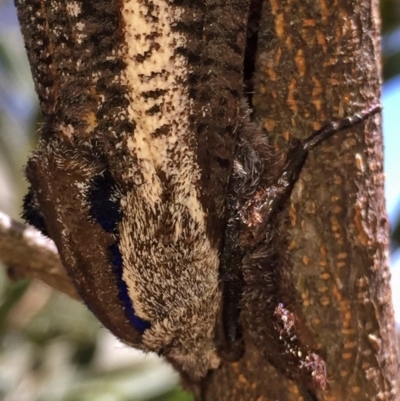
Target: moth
151	179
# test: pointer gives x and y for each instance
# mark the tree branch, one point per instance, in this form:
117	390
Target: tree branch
316	63
28	254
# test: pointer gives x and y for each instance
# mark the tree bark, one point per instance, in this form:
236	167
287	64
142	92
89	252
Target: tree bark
318	61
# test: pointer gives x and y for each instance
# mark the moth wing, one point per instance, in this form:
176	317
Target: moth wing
84	246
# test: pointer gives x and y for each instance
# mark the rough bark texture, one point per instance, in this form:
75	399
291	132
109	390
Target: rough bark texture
316	61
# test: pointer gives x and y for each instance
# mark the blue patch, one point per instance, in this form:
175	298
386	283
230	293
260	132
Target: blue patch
32	214
116	260
104	202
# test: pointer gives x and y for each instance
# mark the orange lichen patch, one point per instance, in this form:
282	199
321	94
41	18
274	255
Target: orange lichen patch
350	345
328	63
335	226
337	180
324	11
336	209
304	295
317	89
359	224
271	73
347	355
342	12
333	81
309	22
91	122
235	366
367	352
292	215
348	332
340	265
289	43
342	255
340	28
316	321
279	25
325	276
336	293
261	89
323	250
277	56
293	389
321	40
242	379
300	62
347	316
322	263
318	104
290	99
269	124
286	136
355	389
306	260
317	125
274	6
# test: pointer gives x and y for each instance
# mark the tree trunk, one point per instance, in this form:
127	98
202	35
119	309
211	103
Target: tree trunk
317	61
314	64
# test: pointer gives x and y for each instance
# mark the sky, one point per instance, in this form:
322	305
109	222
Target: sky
391	125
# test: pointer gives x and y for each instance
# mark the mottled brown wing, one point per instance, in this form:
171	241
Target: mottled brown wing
136	92
35	30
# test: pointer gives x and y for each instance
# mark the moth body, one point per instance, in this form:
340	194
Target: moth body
161	196
130	176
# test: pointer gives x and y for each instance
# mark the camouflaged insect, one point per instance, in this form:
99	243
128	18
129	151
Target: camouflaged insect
156	188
